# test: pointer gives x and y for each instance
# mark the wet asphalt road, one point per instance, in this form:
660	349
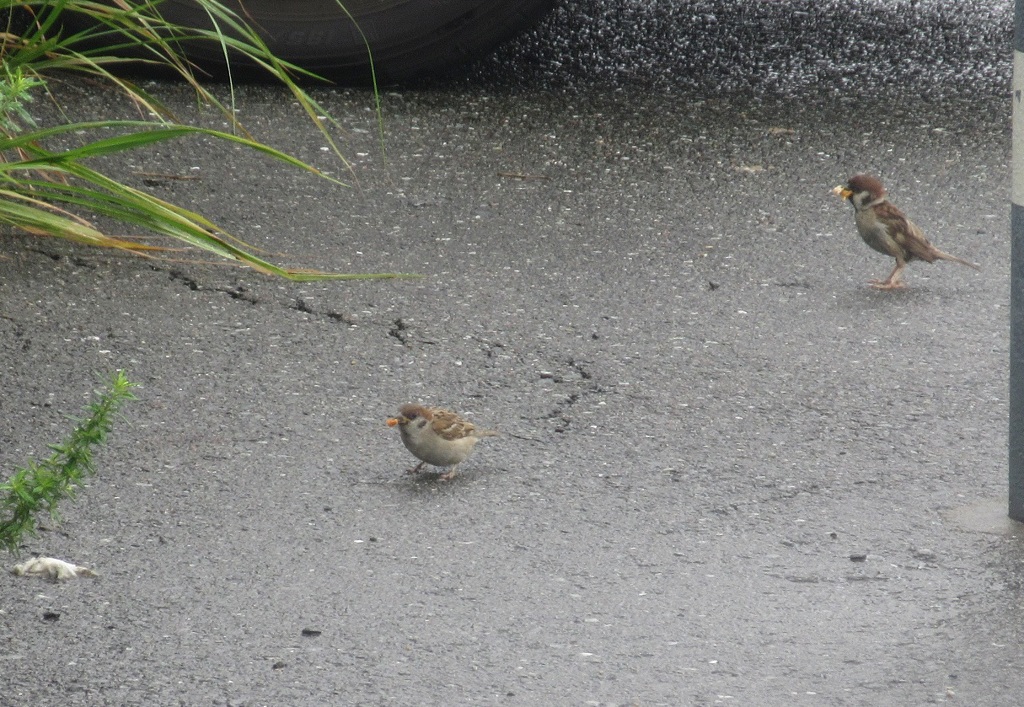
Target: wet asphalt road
730	472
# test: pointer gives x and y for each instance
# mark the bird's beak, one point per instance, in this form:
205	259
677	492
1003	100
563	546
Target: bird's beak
392	421
842	191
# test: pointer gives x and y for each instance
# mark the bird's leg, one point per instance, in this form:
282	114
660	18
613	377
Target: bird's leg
416	469
893	281
448	475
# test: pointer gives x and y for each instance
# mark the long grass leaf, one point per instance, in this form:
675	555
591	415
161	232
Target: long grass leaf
146	134
41	221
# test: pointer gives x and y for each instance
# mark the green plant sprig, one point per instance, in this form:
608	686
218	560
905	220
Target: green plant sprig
41	485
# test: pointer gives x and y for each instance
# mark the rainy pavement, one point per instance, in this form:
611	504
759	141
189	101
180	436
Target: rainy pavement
730	472
789	48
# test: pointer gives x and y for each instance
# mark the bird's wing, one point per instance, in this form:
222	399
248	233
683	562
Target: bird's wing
450	426
906	233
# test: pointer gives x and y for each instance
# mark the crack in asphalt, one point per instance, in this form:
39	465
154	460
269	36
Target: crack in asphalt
244	293
562	411
300	305
179	276
75	260
398	330
239	292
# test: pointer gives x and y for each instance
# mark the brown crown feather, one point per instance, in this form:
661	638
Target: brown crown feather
865	182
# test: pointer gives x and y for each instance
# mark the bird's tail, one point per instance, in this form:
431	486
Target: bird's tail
487	433
954	259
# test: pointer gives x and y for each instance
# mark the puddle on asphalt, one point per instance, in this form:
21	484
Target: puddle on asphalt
989	516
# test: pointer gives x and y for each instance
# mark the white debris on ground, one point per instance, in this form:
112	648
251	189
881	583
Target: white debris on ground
51	567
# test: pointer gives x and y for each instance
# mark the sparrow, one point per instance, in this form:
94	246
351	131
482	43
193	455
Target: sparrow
887	230
437	436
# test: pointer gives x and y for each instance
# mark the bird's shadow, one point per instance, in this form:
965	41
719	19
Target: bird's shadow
432	483
867	297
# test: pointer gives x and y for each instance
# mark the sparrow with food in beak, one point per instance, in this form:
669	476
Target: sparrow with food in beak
887	230
437	436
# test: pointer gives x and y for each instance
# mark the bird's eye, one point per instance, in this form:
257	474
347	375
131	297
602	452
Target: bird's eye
412	416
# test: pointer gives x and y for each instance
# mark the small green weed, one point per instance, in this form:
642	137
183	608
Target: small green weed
41	485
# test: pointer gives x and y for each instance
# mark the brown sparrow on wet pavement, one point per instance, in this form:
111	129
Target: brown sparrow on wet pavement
887	230
437	436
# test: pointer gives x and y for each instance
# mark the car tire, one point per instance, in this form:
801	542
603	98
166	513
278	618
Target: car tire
408	38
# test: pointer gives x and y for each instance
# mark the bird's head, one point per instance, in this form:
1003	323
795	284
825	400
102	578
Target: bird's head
861	189
409	412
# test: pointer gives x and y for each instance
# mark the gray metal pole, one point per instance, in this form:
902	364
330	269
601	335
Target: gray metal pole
1017	276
